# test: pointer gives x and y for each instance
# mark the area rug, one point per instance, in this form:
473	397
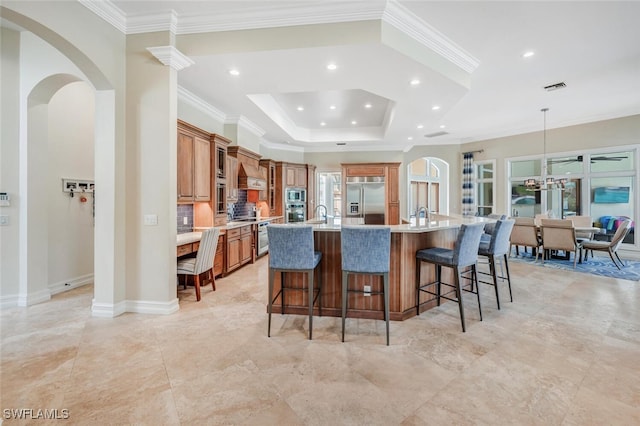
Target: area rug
596	266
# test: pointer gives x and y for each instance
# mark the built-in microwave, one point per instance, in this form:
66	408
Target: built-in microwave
296	195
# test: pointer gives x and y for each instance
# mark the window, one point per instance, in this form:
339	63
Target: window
428	180
485	186
329	192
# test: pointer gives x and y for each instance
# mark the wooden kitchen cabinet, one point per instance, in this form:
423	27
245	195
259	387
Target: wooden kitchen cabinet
296	176
193	165
218	260
270	165
239	247
220	167
232	179
311	191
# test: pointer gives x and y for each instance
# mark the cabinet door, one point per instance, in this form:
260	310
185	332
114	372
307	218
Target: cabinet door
233	254
246	249
232	178
301	177
290	177
202	169
185	167
218	260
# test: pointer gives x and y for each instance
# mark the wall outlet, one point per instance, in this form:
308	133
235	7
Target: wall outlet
367	290
185	221
4	220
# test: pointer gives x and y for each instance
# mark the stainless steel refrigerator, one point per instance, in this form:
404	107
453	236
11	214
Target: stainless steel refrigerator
365	199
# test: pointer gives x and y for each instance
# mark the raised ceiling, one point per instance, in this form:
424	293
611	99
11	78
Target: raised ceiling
474	82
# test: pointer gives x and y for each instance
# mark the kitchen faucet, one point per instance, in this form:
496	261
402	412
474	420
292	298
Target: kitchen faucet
325	211
426	214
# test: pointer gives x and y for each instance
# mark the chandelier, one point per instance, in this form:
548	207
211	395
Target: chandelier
550	183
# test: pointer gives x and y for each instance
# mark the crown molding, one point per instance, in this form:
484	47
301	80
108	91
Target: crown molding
171	56
167	21
245	123
406	21
109	12
198	103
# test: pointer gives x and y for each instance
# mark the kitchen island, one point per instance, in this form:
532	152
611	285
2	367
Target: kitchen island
406	239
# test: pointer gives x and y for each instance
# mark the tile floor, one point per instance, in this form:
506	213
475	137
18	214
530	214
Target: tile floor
565	352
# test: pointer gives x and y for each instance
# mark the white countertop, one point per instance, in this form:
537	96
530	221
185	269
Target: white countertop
188	237
442	222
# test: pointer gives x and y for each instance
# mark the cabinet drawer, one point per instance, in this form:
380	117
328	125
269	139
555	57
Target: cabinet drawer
184	249
233	233
245	230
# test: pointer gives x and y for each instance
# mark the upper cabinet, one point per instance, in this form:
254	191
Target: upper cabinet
220	165
232	179
296	176
194	164
270	195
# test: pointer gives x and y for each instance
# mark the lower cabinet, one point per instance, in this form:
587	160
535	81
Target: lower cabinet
239	247
218	260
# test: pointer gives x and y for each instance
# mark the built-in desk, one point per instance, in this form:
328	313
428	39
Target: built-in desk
406	240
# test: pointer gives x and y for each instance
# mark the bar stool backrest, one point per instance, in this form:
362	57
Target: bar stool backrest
465	251
500	244
291	247
366	249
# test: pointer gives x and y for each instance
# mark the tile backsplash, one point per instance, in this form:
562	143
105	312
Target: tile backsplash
242	207
185	210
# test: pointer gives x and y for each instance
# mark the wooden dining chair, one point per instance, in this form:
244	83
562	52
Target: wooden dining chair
559	234
525	233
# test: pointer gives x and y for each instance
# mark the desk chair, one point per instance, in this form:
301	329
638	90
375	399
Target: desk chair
202	264
365	250
291	250
463	254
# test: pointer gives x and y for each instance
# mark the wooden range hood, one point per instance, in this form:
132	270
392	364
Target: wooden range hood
249	177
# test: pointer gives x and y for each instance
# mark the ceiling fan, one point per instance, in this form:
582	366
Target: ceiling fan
580	158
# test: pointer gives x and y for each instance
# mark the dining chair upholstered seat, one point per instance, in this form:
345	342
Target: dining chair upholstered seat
291	249
612	246
464	254
365	250
559	234
498	248
202	264
525	233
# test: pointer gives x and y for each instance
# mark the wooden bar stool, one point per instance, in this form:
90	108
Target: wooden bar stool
291	250
365	250
463	254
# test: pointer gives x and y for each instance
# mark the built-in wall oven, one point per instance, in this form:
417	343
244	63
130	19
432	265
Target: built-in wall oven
295	212
263	239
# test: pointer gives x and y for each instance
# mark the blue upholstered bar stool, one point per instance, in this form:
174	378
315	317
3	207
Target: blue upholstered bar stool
498	247
464	254
291	250
365	250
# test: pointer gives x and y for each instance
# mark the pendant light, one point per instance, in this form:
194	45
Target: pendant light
534	185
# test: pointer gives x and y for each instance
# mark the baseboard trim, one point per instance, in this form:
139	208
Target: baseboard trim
67	285
107	310
155	308
8	301
34	298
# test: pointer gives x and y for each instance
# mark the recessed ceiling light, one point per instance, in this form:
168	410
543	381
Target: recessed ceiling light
414	82
368	105
442	126
322	123
354	122
435	107
332	67
300	108
420	126
332	107
528	54
410	138
234	72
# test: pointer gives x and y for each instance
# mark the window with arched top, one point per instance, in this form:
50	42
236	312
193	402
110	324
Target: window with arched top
428	185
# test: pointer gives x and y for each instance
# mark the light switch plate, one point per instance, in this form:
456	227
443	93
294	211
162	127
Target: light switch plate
150	219
4	220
